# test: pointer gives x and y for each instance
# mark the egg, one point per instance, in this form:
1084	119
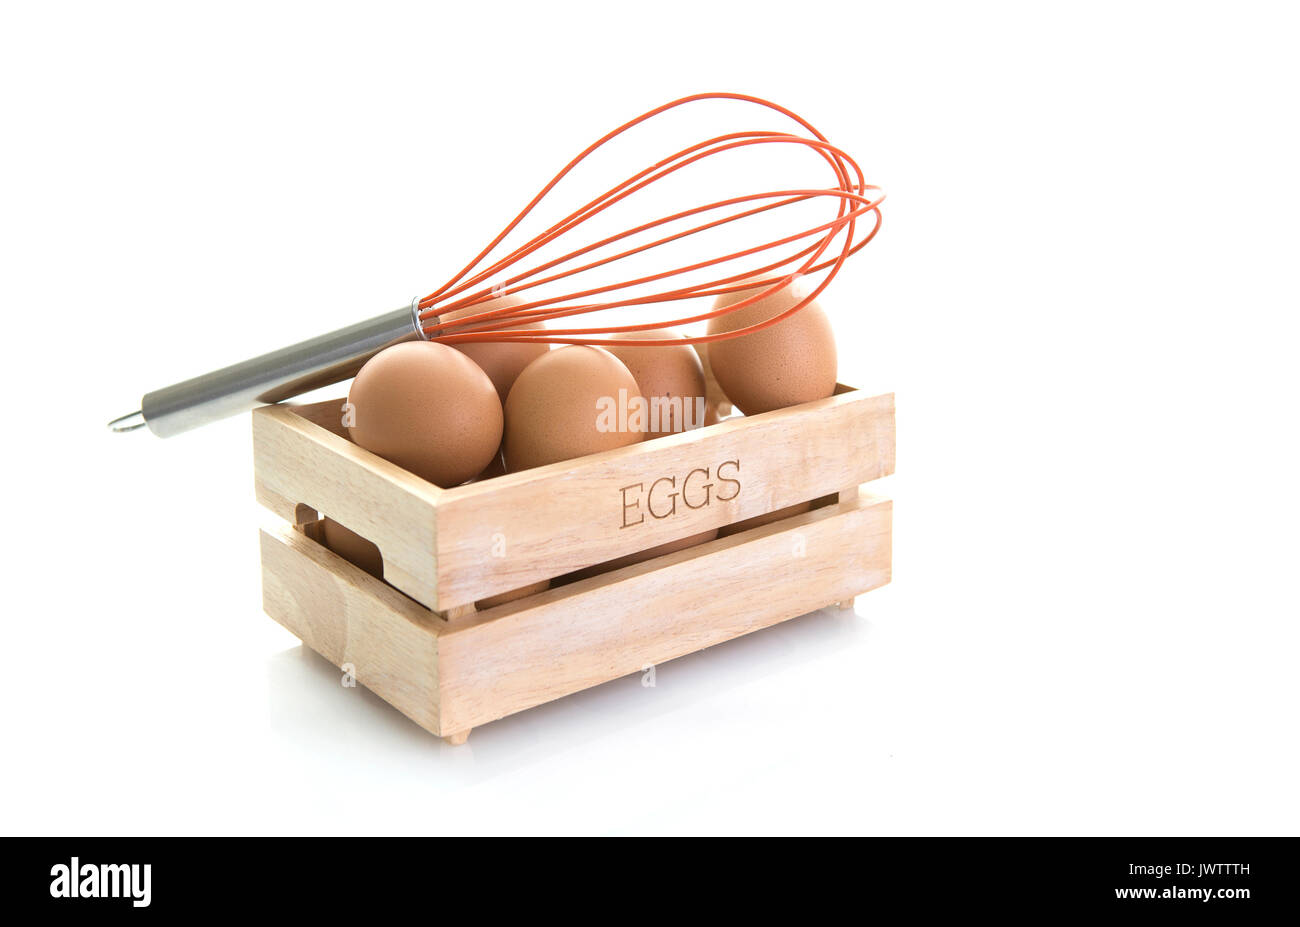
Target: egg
789	363
665	375
352	547
502	361
717	399
427	408
554	410
494	469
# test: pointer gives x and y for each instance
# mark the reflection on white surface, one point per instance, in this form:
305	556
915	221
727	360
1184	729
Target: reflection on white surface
310	707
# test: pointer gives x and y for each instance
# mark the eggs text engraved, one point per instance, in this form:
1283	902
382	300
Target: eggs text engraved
662	497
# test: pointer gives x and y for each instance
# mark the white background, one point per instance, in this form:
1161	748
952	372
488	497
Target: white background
1084	296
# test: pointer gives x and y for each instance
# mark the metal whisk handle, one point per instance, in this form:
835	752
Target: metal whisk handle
272	377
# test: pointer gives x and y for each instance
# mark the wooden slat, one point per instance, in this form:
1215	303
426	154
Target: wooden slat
523	654
514	530
450	548
449	676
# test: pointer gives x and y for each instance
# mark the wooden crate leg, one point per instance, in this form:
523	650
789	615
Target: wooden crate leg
458	738
848	497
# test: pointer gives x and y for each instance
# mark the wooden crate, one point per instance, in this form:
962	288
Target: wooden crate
415	637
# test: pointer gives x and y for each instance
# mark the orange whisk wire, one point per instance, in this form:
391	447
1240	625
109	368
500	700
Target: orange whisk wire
814	253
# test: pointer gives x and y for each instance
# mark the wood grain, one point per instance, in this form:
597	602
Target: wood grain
450	675
298	462
448	548
563	517
349	617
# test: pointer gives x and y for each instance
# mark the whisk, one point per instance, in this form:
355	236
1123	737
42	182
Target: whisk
820	248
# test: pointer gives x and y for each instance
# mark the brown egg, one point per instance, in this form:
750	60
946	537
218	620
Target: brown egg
702	349
789	363
642	555
717	399
494	469
428	409
665	375
559	408
798	508
352	547
502	361
501	598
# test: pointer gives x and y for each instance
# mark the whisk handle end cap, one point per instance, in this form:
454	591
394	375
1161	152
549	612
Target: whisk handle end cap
133	422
